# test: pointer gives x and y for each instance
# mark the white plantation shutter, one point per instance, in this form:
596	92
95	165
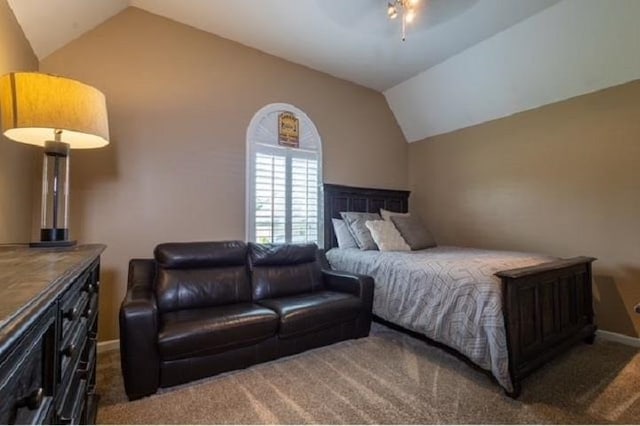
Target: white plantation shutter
270	198
284	202
304	200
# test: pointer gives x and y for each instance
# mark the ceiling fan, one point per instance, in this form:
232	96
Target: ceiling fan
407	11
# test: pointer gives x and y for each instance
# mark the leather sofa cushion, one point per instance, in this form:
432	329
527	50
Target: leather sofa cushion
201	254
279	270
201	274
281	254
281	281
305	313
178	289
199	332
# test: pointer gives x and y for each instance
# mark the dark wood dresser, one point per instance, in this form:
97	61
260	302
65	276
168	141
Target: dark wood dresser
48	332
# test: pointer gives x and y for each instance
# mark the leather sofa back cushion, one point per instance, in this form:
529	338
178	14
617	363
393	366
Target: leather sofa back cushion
178	289
279	270
201	274
281	254
201	254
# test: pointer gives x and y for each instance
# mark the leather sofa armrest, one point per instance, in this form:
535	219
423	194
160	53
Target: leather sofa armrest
140	360
141	273
346	282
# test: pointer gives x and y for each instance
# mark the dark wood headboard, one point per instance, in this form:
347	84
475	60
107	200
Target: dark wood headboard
339	198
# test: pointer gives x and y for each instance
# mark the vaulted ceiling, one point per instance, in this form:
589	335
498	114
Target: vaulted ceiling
350	39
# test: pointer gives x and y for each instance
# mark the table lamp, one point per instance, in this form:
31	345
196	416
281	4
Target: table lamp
58	114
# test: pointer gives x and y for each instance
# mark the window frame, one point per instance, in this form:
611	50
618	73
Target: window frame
252	149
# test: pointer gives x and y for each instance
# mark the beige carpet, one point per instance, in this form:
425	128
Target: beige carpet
389	378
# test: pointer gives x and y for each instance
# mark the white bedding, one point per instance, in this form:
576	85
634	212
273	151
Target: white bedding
449	294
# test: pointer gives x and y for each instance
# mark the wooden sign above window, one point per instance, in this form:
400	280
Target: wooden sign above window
288	130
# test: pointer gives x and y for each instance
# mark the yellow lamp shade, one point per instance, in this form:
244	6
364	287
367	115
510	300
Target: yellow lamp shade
34	106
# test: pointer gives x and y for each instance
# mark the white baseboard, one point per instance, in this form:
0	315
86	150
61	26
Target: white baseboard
619	338
108	345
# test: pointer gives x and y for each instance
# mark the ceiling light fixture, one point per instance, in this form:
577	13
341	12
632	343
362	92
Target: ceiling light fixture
407	10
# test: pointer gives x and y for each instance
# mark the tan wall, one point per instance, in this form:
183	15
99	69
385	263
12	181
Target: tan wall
17	161
563	179
180	101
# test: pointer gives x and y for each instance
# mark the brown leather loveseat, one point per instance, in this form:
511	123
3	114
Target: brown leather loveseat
199	309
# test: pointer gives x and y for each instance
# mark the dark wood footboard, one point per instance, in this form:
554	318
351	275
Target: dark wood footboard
547	308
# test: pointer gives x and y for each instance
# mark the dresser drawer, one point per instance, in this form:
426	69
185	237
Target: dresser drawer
91	313
26	380
73	405
71	351
72	311
74	305
88	361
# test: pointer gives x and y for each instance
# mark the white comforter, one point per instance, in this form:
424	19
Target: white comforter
449	294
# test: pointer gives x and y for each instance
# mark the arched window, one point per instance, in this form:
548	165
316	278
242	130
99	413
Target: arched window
284	178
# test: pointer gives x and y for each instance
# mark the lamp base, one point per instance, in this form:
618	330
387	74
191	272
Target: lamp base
53	237
64	243
54	234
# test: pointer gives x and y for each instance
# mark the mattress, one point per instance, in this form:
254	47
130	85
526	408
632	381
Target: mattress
449	294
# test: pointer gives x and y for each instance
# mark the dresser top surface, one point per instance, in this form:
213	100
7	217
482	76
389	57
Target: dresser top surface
29	274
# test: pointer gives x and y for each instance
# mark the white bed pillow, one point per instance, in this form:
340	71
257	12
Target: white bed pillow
386	236
343	235
386	214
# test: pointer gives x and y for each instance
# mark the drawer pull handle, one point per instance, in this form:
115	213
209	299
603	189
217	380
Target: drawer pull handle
83	373
65	420
69	350
71	314
33	400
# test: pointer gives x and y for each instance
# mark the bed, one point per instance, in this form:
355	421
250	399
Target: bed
506	312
